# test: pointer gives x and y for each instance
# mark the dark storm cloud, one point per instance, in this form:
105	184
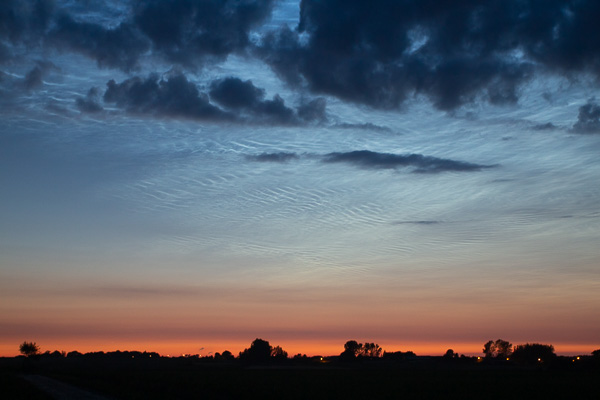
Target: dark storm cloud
313	110
172	96
421	163
273	157
184	30
120	47
234	93
588	120
91	102
242	96
283	51
381	52
378	53
276	111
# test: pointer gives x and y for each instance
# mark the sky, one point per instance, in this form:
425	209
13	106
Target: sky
186	176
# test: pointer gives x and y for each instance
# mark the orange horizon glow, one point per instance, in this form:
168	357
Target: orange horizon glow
313	320
293	347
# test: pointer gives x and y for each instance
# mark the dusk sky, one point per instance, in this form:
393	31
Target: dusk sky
186	176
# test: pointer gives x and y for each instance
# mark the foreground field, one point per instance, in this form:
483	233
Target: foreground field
183	379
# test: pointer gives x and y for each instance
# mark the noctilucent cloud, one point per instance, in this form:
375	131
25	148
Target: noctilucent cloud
193	174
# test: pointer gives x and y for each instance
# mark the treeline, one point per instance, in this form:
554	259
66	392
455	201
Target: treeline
495	352
529	352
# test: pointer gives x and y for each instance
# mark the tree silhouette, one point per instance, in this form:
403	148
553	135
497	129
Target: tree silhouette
29	349
371	350
503	348
488	349
450	354
353	349
278	353
534	353
498	349
259	351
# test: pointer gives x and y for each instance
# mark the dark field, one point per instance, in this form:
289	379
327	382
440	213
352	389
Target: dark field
14	387
191	379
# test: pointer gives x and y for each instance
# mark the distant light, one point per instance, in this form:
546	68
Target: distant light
578	357
507	358
539	359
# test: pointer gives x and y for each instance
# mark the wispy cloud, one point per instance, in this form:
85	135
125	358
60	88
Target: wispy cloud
375	160
418	222
421	163
545	127
273	157
367	126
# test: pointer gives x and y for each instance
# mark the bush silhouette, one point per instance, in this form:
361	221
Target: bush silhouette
29	349
450	354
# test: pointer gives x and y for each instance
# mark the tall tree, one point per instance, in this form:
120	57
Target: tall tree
489	348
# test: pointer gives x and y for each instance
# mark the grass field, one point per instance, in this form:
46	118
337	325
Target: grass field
171	379
13	387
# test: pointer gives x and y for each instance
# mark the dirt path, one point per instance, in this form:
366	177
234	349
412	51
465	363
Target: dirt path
62	391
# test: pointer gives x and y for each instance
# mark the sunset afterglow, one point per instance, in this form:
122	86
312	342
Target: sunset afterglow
184	177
